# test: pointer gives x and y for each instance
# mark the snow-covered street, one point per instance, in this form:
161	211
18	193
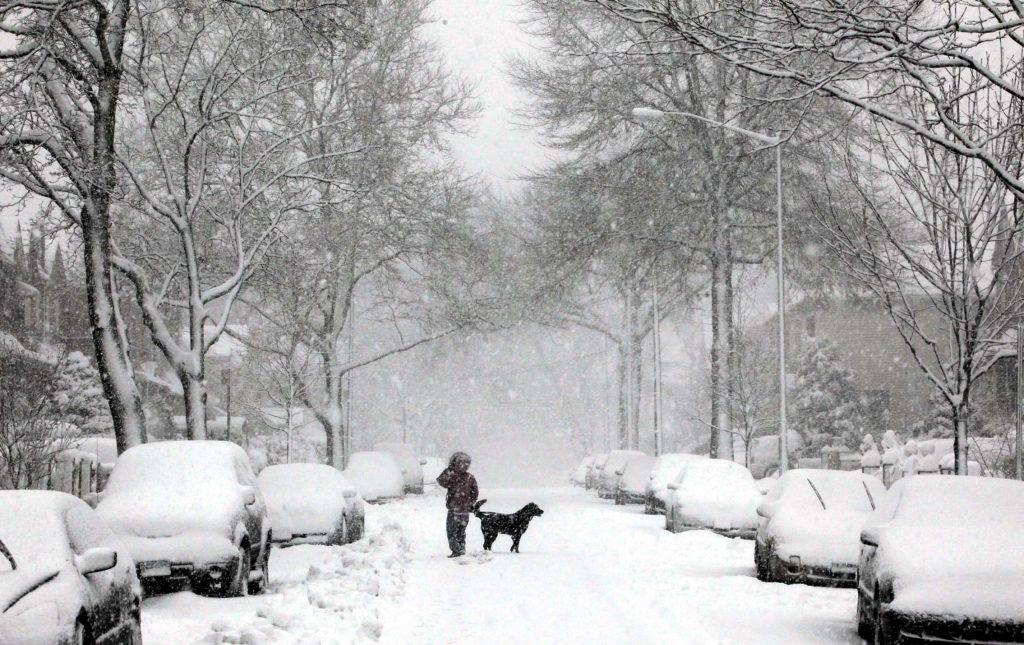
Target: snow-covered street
589	571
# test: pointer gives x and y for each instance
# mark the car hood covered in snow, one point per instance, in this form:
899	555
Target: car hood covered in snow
821	537
954	547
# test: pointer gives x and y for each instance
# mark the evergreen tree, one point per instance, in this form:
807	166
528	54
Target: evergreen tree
79	395
825	406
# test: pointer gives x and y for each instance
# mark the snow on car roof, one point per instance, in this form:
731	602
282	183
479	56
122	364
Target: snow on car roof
312	480
169	487
938	499
618	458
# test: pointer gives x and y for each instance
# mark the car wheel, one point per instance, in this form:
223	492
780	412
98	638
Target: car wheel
879	635
240	583
356	530
81	636
135	634
865	629
760	562
259	586
340	535
619	500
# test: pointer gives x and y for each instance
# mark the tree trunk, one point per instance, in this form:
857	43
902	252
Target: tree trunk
960	440
194	390
721	322
636	383
112	360
623	384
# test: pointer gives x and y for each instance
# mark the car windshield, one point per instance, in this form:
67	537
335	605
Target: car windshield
37	537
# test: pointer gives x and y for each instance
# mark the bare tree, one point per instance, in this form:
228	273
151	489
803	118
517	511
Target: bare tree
870	55
938	244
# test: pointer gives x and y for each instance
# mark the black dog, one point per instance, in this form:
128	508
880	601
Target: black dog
514	525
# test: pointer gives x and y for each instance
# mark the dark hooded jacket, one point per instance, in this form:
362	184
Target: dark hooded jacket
461	485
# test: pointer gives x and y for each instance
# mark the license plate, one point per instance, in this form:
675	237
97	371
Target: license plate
154	569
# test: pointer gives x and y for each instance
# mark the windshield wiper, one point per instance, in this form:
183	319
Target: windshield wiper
815	489
7	554
870	498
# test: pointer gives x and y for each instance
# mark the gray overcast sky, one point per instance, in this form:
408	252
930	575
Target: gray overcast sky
477	36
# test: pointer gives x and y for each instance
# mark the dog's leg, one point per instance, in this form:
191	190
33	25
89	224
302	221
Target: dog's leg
515	542
489	540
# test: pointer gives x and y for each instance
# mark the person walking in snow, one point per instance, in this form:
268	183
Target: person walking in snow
462	494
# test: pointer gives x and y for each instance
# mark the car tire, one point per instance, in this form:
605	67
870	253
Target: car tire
865	628
340	535
259	586
135	634
879	631
619	499
356	530
240	583
761	562
81	636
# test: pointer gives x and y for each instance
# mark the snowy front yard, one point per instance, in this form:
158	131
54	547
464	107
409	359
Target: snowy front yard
589	571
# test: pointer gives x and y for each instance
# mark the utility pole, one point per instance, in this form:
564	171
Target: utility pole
227	401
658	430
1020	400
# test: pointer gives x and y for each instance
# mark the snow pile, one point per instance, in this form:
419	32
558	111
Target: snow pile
318	595
375	474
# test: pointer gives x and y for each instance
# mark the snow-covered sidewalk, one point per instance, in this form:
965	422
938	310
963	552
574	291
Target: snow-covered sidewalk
593	572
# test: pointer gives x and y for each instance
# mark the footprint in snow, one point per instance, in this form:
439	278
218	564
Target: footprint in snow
478	557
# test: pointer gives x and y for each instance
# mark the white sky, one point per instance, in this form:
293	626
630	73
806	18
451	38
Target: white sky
477	36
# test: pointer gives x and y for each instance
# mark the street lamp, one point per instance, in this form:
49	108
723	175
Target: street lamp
650	114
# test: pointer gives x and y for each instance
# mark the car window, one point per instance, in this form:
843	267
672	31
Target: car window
85	530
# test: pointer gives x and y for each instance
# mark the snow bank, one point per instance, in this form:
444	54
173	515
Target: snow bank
375	474
953	546
328	595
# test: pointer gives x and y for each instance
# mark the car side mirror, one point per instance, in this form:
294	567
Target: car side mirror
869	537
250	495
673	486
619	472
96	560
349	493
423	462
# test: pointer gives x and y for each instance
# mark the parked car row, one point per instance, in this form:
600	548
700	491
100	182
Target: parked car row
934	559
173	513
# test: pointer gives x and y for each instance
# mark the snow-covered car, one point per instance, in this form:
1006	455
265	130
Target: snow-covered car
190	512
64	577
376	475
594	471
941	561
311	503
411	465
611	470
810	526
667	468
632	486
717	495
432	468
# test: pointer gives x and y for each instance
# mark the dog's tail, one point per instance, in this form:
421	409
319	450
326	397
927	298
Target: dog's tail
476	507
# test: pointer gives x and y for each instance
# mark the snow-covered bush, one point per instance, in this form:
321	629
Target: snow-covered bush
825	407
79	395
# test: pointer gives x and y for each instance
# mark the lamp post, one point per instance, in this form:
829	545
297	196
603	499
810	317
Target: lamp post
650	114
